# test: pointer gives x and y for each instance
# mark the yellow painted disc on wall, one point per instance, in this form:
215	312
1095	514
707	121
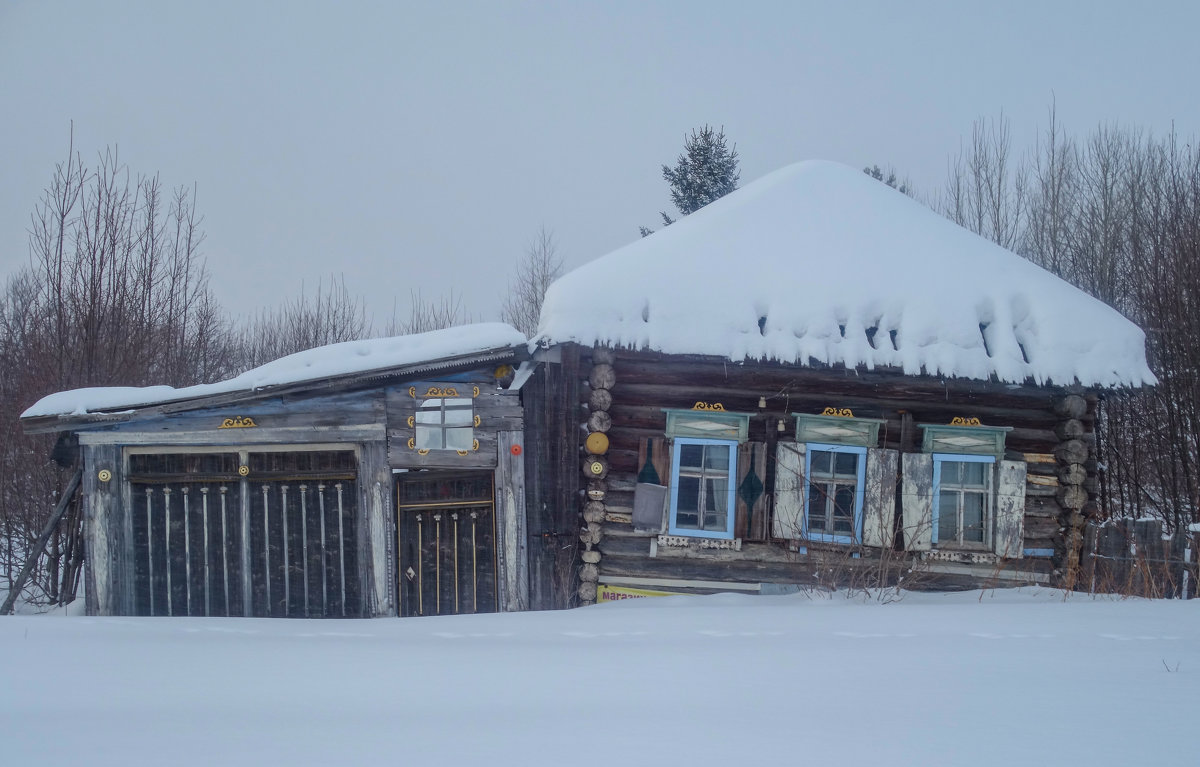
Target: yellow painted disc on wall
597	443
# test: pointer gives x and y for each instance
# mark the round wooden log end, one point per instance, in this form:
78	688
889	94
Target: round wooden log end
593	512
1071	451
599	421
595	467
603	376
1071	406
600	399
1071	428
1072	497
587	592
590	557
596	442
1072	474
589	572
603	355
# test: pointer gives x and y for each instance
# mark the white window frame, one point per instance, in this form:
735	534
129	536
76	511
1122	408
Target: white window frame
859	492
730	496
441	428
989	501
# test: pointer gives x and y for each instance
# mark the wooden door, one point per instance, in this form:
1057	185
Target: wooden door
446	523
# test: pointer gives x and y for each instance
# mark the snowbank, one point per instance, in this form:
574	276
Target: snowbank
314	364
802	264
988	680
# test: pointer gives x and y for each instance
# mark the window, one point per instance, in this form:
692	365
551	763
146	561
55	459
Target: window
835	492
962	500
445	423
702	487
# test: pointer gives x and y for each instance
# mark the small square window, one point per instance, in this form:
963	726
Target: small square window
445	423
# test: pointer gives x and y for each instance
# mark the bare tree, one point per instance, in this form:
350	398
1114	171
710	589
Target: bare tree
527	288
426	315
330	316
985	187
116	292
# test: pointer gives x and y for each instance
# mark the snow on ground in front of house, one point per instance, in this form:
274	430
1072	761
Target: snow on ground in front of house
1002	678
338	359
801	264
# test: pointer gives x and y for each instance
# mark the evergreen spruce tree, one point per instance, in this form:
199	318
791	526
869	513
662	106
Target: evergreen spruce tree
706	171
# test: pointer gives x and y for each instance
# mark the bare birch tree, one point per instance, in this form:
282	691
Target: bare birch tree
540	267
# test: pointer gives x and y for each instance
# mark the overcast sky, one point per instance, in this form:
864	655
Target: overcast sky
421	146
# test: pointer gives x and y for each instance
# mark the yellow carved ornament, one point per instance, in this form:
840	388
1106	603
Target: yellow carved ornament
959	421
714	406
238	422
841	412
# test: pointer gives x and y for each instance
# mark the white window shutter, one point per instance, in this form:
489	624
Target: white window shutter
879	498
789	491
1010	509
916	500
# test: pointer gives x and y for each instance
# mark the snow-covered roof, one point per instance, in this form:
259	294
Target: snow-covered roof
798	266
324	362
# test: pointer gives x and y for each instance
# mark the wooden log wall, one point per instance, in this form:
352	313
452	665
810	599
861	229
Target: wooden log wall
622	395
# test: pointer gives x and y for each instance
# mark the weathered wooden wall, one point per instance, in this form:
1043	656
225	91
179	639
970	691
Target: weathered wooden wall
639	385
498	410
552	477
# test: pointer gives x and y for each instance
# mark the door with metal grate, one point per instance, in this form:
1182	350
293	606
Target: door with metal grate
270	534
446	524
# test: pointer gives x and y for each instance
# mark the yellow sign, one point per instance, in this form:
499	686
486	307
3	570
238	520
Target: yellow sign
616	593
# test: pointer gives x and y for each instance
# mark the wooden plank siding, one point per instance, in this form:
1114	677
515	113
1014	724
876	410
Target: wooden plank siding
646	383
553	444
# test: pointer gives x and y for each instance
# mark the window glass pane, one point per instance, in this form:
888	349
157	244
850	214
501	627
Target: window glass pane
947	517
816	508
688	497
714	520
950	472
691	456
847	464
821	461
460	439
717	492
429	438
843	510
430	413
716	457
973	473
973	517
462	416
457	402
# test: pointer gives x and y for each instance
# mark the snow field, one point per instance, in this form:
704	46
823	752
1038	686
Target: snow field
1002	678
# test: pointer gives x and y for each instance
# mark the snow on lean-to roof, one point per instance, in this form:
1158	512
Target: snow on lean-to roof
345	358
800	264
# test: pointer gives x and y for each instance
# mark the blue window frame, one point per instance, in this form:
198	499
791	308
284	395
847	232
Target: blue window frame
702	487
962	500
833	504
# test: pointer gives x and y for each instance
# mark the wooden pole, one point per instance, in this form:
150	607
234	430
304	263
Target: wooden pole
40	544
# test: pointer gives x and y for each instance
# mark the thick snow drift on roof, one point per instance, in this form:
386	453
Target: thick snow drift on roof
323	362
803	263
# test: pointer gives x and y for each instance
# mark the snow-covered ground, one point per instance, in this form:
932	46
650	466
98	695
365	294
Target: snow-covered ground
998	678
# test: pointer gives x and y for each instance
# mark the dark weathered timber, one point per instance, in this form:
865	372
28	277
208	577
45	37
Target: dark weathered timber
552	478
40	544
